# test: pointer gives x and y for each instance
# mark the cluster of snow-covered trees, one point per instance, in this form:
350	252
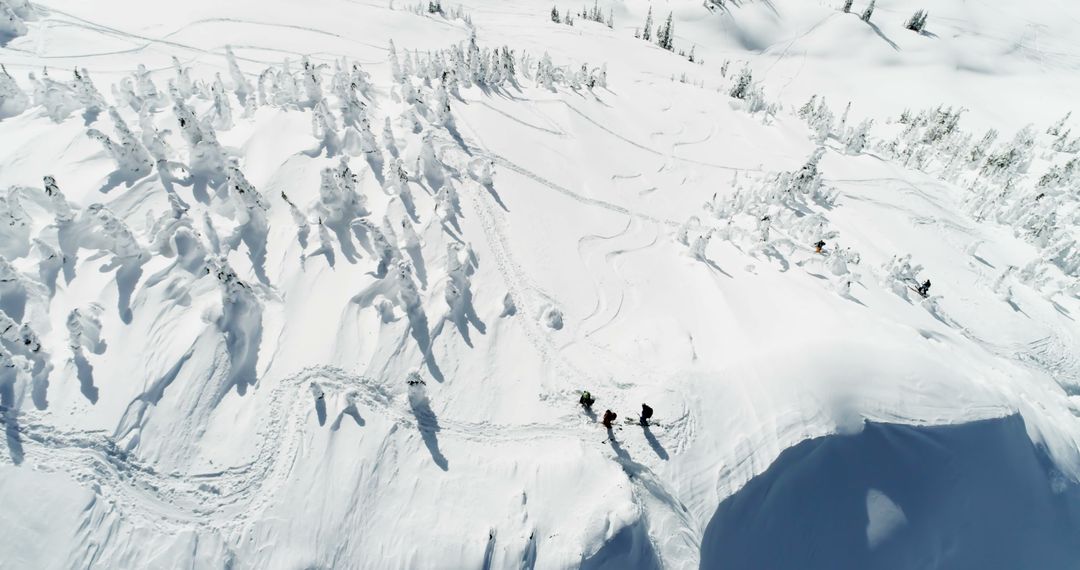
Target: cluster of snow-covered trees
664	33
772	217
594	14
161	132
824	125
1030	182
436	8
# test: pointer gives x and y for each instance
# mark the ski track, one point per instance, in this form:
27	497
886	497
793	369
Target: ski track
518	169
650	150
233	496
148	42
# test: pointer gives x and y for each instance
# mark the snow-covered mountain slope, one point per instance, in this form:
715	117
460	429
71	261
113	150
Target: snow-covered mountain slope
317	285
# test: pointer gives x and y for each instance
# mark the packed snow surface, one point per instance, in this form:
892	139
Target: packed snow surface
318	284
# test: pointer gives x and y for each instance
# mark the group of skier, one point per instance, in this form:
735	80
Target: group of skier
609	417
587	401
923	289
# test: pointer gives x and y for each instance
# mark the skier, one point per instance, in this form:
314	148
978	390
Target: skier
609	416
818	246
646	413
586	399
924	289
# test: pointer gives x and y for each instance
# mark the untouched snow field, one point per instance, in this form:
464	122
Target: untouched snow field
317	285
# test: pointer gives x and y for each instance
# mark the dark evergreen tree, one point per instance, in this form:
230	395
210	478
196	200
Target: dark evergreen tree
917	21
665	36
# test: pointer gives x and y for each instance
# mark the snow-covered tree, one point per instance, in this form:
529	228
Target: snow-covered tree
859	137
847	6
128	152
1055	129
741	88
56	97
241	85
87	95
665	35
646	33
869	11
917	21
146	90
222	109
182	85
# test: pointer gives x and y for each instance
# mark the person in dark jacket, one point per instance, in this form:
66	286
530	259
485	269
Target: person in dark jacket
609	416
646	413
586	400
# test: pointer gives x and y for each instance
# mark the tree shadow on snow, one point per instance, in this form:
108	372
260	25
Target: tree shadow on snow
418	328
128	272
712	265
85	373
350	411
11	423
128	179
882	35
429	426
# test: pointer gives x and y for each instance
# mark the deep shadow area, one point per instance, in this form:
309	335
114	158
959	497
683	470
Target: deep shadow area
629	548
970	496
85	372
11	424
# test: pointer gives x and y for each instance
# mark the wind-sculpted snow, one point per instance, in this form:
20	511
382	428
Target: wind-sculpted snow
320	286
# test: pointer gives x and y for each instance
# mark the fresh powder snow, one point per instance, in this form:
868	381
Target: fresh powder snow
290	285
